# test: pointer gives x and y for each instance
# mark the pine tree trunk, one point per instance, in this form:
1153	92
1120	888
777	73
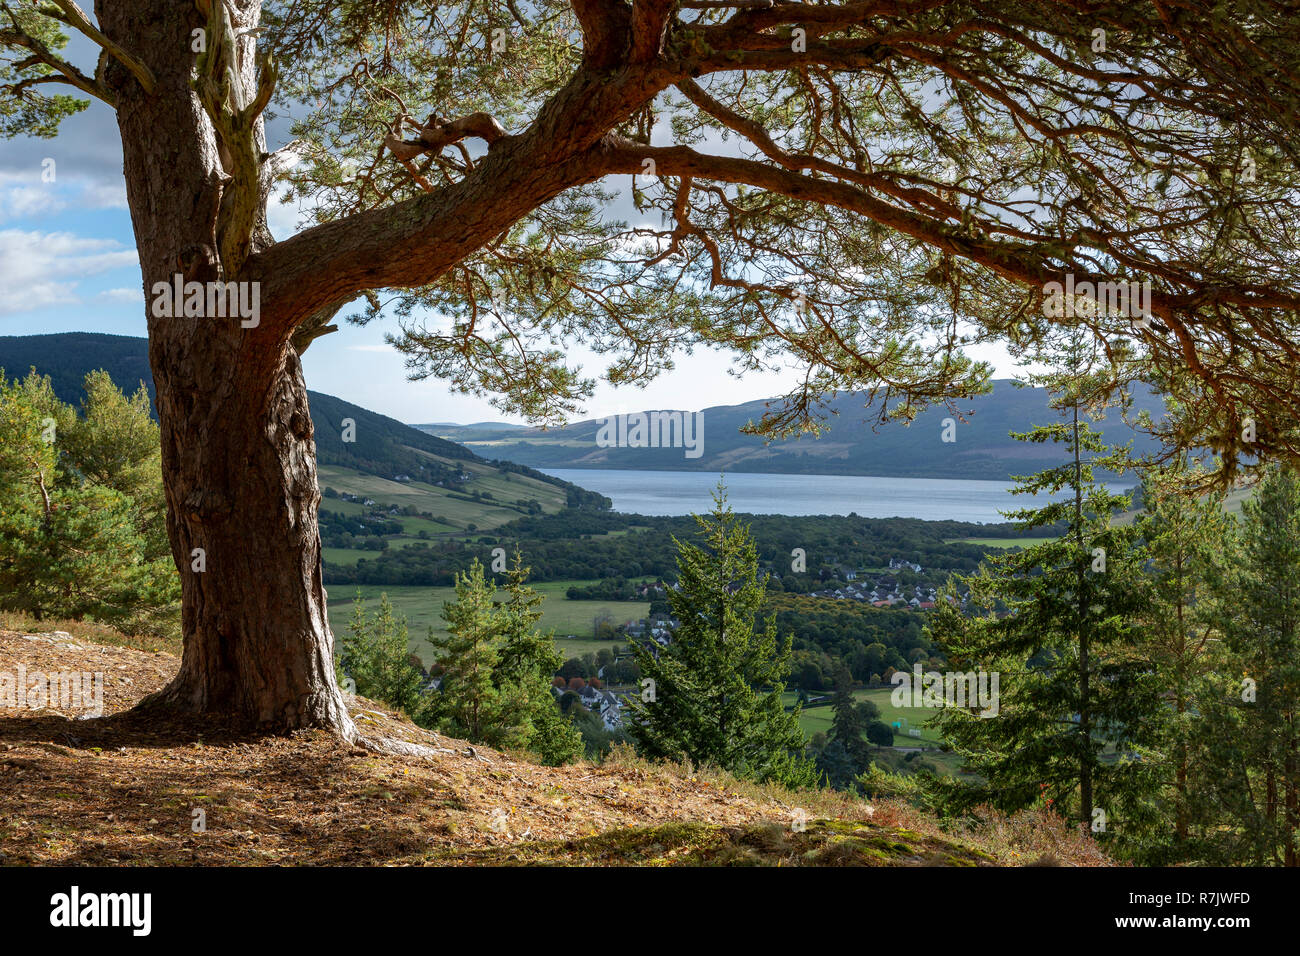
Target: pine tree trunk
1085	726
242	494
237	449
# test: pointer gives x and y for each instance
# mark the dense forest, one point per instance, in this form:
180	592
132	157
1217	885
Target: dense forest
589	544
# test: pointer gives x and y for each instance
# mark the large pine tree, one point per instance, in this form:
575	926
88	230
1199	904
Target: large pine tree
868	210
715	691
1056	621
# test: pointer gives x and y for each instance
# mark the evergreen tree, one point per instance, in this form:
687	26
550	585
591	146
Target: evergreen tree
1187	542
497	668
1252	740
468	703
850	721
526	662
1056	622
376	654
71	544
717	685
837	766
115	443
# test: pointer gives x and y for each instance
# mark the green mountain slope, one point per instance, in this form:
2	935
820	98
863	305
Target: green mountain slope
383	446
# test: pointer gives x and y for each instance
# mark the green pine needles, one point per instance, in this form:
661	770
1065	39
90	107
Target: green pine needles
712	695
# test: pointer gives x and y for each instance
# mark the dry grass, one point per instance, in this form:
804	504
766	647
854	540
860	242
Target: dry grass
86	631
124	788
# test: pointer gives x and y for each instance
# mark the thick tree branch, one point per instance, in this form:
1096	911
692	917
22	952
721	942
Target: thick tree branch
410	243
605	31
649	23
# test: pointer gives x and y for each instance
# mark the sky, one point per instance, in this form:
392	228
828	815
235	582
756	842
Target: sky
68	263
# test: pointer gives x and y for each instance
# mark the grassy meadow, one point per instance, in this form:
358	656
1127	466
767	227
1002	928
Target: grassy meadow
422	607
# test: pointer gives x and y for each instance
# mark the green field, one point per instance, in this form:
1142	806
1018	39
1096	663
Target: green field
422	607
1001	542
349	556
454	513
817	719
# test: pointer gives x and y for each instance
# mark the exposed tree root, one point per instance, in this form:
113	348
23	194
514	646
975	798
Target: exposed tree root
392	747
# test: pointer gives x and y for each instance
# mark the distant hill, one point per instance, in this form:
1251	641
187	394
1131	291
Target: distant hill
478	431
982	448
384	446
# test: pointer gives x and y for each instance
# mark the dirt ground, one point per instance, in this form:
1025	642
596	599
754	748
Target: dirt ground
127	789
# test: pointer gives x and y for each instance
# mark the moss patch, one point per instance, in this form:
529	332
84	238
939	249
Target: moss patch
766	843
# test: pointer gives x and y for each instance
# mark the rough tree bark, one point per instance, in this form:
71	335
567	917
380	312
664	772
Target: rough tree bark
237	447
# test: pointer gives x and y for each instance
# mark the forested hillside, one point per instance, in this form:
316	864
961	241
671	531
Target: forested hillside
376	444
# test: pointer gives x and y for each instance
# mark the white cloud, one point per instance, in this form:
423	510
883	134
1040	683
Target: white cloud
129	296
101	195
26	195
39	269
22	202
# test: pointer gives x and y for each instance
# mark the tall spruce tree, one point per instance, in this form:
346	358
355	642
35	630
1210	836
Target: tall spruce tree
468	703
1055	620
1252	741
1188	540
716	688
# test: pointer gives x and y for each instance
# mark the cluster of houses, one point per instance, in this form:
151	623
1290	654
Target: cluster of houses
898	564
884	591
609	704
922	599
606	703
657	628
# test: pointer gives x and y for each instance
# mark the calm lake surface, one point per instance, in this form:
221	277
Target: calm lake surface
684	492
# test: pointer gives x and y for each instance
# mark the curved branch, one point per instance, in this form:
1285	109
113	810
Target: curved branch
434	136
69	74
74	16
1021	262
